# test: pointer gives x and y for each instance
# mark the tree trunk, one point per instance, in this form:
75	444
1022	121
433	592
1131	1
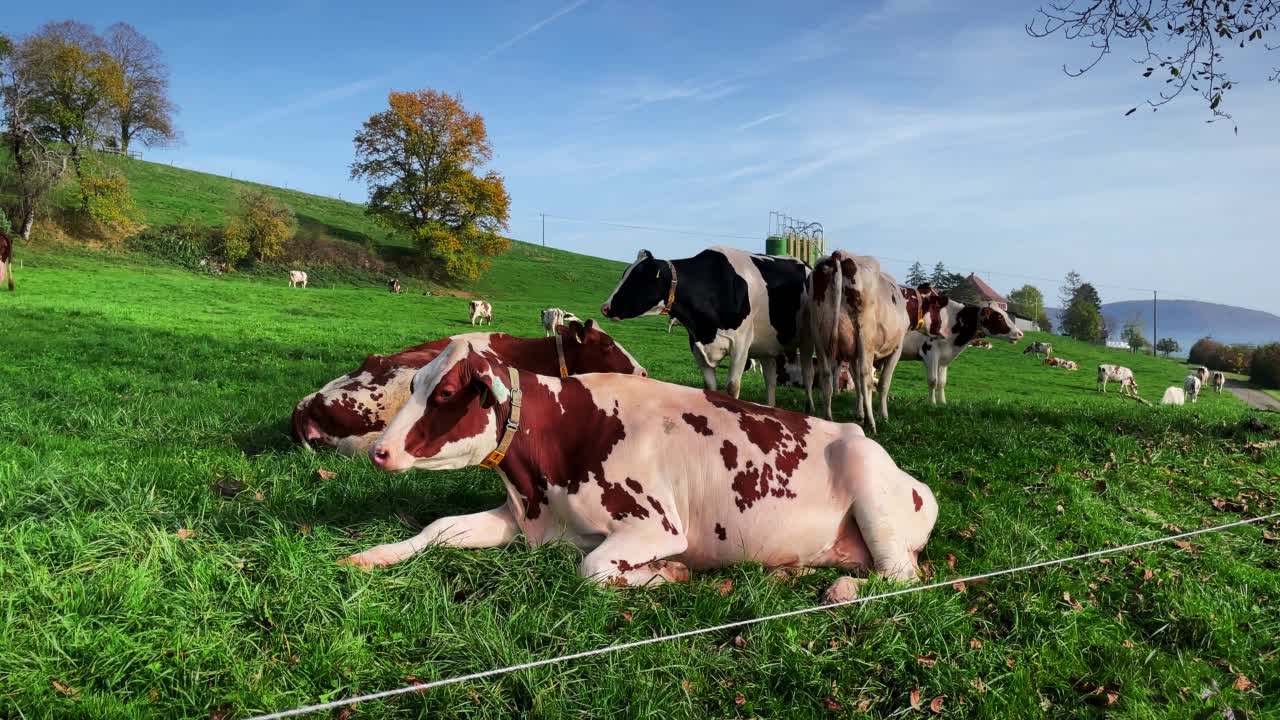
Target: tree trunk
28	221
125	137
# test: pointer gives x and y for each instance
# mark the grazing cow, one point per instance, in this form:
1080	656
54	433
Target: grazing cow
649	479
1120	374
732	303
859	316
1202	372
553	318
943	329
1218	381
393	285
6	259
1039	348
481	310
1192	385
297	278
1173	396
350	412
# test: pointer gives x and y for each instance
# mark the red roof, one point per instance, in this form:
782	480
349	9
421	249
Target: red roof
986	290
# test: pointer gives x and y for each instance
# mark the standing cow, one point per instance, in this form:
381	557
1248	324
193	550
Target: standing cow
860	317
1219	380
732	303
393	286
1202	372
1191	385
481	311
1120	374
650	479
553	318
351	411
6	259
943	329
297	278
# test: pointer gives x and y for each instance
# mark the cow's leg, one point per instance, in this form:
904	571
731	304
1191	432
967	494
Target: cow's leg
737	366
894	512
866	386
942	383
806	371
635	556
478	530
769	368
826	383
886	379
931	375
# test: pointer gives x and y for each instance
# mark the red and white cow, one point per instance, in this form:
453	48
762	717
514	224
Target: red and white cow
481	311
1191	386
393	286
6	259
650	479
297	278
350	412
943	328
1120	374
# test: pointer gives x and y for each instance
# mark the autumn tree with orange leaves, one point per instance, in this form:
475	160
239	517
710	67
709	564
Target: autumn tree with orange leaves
422	159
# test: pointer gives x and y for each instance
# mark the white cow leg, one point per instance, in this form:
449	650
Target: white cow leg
942	383
825	385
636	556
894	513
708	376
491	528
737	366
866	388
769	368
806	374
886	380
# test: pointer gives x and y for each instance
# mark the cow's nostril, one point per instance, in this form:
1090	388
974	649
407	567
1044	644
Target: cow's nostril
381	455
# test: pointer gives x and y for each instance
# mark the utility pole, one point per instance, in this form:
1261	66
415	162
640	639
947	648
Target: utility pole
544	229
1155	332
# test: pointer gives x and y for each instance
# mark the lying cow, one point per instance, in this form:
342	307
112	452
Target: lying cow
393	286
650	479
1173	396
1191	385
1120	374
790	374
982	344
481	310
733	303
350	412
1039	348
1219	380
553	318
943	329
6	259
297	278
860	317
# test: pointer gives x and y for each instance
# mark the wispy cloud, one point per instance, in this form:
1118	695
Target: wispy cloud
762	120
533	28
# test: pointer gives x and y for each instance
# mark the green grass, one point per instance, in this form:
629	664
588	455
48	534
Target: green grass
132	392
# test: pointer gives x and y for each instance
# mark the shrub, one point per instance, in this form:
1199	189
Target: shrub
259	227
1220	356
184	243
107	201
5	227
312	247
1264	365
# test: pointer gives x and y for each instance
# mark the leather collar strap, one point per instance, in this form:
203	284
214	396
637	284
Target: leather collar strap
564	367
513	424
671	296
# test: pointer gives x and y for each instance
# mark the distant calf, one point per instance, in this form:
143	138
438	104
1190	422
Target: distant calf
481	311
393	285
1218	381
1039	348
553	318
1192	386
6	259
1117	373
297	278
1173	396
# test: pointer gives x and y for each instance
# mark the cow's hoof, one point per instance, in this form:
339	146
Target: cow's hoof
786	572
369	559
843	590
671	570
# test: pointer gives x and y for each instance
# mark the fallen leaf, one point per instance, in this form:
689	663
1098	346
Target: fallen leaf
259	496
348	712
951	561
413	680
1185	545
304	528
1008	662
1147	574
975	644
832	705
968	532
1112	697
154	695
979	685
1219	503
1242	683
326	474
958	587
1128	644
936	704
1060	509
1270	537
739	699
928	660
726	587
864	704
686	686
626	615
64	688
915	697
186	534
739	641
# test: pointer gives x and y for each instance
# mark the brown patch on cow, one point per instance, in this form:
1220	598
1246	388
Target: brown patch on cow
698	423
635	486
775	432
657	506
729	453
994	323
619	503
626	566
448	420
852	295
915	498
822	278
720	532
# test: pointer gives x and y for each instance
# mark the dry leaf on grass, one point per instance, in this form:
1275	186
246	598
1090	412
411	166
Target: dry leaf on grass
936	704
951	561
928	660
1242	683
326	474
739	641
64	688
1185	545
686	686
626	615
864	704
185	533
726	587
739	699
979	685
915	697
975	644
832	705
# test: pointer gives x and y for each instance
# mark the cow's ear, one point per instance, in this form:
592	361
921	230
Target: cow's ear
985	313
590	324
644	255
924	289
485	375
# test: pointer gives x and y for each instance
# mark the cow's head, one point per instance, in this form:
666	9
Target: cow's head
994	322
643	289
586	346
451	418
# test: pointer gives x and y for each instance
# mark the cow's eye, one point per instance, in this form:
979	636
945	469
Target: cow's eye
411	390
446	394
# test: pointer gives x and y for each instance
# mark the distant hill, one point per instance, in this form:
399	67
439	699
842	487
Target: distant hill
1189	320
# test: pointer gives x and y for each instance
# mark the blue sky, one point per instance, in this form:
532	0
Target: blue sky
910	128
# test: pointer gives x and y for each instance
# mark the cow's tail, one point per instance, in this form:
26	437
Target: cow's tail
299	425
833	306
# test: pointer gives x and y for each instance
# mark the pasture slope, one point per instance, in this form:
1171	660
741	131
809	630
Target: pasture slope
166	552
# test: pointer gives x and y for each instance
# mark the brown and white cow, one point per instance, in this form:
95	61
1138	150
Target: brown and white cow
1202	372
350	412
6	259
650	479
1219	380
1039	348
297	278
481	311
943	328
1120	374
860	317
393	286
1191	386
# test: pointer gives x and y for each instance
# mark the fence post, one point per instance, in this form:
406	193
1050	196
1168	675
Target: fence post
1155	331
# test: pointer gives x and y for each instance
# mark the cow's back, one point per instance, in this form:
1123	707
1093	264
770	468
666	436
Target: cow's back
776	298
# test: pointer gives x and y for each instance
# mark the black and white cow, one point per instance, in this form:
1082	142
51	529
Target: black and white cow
733	303
943	328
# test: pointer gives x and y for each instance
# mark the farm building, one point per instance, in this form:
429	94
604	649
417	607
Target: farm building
986	294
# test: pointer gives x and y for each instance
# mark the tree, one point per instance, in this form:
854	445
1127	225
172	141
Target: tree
1179	41
1264	366
140	107
962	289
915	275
31	169
1167	345
421	159
1082	321
1067	291
260	226
1029	301
1132	335
939	277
